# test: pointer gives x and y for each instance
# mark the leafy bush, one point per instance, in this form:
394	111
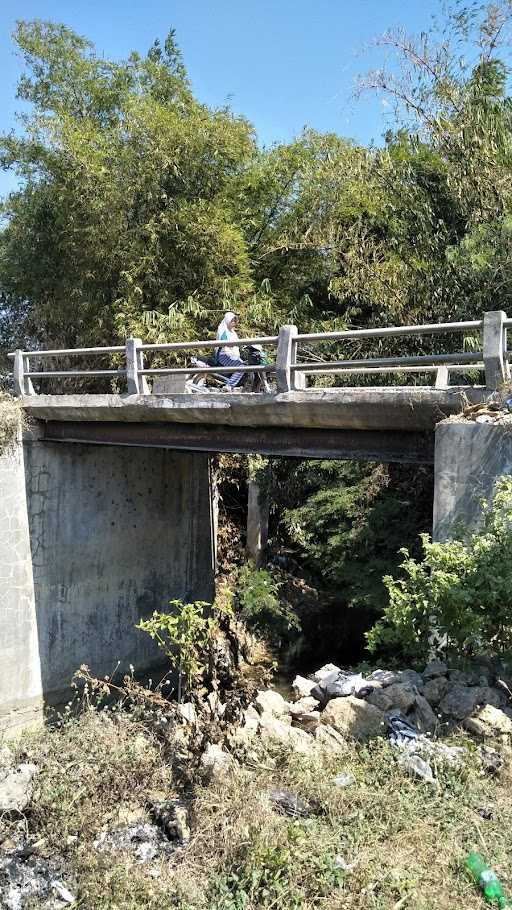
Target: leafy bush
461	588
184	637
260	606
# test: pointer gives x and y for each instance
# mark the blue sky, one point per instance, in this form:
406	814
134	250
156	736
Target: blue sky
284	64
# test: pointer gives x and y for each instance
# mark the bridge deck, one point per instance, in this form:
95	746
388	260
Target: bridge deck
377	409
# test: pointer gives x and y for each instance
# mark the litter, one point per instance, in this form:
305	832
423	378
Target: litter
416	767
338	684
489	882
401	731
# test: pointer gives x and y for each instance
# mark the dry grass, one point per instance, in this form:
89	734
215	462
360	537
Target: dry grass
11	416
404	841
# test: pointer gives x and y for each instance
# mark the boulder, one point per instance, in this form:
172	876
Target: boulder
269	701
435	669
324	671
215	759
459	701
383	678
16	788
379	699
187	711
464	678
329	738
411	678
487	695
423	716
304	705
401	695
354	718
307	721
250	725
488	722
275	728
435	689
302	686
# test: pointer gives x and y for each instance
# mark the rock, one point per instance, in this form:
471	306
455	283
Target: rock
435	689
188	712
215	759
423	716
345	779
250	725
16	788
465	677
379	699
383	677
324	671
435	669
304	706
416	767
401	695
302	686
487	695
411	678
354	718
307	721
289	803
216	705
459	701
271	702
62	892
329	738
489	721
276	728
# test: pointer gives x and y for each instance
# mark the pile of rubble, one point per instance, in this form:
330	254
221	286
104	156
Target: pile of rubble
335	705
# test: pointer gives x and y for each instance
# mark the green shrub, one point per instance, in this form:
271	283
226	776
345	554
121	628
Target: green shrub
184	638
462	589
259	604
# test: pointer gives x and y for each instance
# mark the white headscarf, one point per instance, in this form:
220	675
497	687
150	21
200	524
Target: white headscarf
224	333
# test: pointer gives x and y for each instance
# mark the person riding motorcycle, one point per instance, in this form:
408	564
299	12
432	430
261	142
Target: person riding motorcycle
229	356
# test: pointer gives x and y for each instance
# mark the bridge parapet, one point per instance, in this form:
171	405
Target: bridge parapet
290	367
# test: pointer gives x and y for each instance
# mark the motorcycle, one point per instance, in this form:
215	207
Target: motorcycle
252	355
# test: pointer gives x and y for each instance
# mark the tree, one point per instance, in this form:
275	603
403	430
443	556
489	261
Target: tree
123	209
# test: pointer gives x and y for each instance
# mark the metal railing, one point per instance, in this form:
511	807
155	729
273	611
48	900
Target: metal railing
289	370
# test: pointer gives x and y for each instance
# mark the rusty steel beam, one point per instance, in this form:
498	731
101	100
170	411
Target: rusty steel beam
358	445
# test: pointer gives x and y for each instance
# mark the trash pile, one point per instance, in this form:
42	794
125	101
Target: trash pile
410	708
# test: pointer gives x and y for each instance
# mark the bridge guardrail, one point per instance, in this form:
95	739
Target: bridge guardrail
289	370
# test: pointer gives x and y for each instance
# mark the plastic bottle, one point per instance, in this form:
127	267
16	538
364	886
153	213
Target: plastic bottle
487	879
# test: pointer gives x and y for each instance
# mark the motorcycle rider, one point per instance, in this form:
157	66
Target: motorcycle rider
230	356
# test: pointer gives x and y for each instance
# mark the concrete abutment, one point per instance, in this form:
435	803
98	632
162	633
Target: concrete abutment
470	458
94	538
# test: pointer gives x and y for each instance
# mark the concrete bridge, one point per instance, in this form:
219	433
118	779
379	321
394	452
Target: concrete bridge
106	507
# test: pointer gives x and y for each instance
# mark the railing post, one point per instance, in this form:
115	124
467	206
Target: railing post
137	384
285	357
495	346
442	377
22	383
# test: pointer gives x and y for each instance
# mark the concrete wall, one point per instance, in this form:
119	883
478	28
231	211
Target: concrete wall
105	536
20	672
469	459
